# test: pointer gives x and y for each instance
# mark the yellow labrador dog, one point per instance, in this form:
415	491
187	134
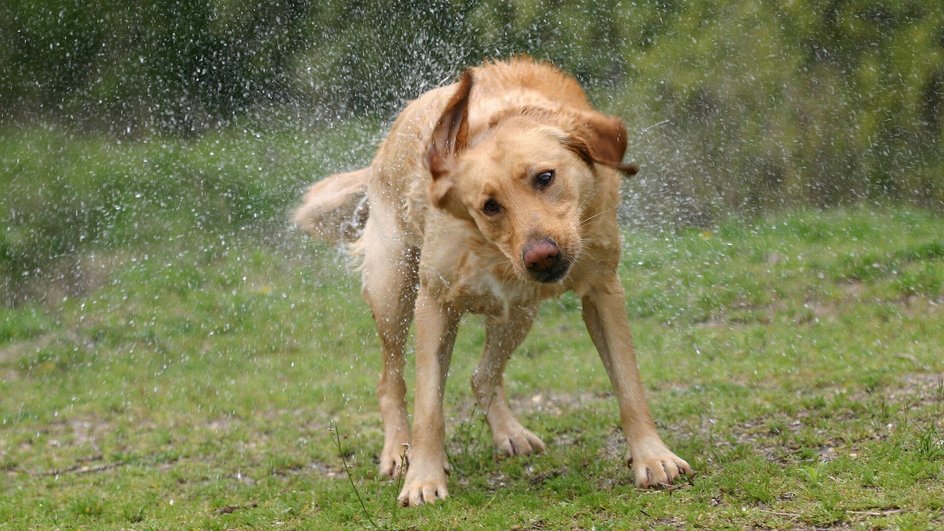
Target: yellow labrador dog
488	196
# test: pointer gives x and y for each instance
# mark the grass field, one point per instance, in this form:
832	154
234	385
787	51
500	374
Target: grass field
194	370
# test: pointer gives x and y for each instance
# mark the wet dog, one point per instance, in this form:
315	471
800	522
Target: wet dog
488	196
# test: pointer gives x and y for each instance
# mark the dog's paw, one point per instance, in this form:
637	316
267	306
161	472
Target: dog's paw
654	465
422	486
393	457
392	461
517	441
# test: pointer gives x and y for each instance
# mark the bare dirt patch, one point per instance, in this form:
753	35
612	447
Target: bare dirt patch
67	276
73	432
919	389
764	434
18	349
555	403
767	435
326	470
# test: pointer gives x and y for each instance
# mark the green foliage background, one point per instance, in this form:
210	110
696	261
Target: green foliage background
733	107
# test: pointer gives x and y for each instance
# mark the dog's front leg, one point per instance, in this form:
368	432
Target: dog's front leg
436	327
604	313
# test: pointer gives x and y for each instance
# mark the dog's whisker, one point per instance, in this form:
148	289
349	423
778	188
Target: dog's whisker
591	218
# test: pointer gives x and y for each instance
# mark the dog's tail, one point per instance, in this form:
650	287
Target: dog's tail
334	209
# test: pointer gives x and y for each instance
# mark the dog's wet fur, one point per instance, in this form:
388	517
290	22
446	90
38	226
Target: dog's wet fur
488	196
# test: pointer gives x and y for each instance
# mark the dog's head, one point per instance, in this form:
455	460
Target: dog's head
526	180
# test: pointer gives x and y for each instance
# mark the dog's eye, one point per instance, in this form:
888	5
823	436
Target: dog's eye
491	207
544	179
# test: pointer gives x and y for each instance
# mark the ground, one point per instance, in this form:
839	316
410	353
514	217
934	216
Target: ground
226	380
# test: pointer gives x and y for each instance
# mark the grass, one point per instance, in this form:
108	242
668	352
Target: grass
191	378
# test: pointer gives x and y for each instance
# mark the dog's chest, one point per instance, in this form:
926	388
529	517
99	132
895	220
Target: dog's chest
487	294
478	285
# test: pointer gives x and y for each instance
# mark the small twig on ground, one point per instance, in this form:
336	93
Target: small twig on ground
885	512
233	508
404	464
669	487
337	438
80	469
477	443
792	516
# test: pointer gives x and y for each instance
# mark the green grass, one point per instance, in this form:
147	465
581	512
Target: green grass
795	361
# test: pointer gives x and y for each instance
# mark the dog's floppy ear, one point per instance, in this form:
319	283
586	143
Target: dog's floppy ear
601	139
450	136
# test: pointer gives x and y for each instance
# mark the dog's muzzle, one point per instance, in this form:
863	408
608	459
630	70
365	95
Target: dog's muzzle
544	260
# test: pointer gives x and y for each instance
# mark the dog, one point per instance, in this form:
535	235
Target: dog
489	196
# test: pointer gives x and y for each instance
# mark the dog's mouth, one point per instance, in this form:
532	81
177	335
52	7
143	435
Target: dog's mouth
554	274
544	261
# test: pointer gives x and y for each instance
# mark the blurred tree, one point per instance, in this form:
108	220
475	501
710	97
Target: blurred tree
172	65
765	103
370	56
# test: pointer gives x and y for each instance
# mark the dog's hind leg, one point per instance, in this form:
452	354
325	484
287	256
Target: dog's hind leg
389	285
502	337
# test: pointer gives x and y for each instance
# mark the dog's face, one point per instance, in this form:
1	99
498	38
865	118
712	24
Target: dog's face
525	181
525	191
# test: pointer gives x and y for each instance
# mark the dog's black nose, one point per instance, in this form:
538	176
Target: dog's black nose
544	260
